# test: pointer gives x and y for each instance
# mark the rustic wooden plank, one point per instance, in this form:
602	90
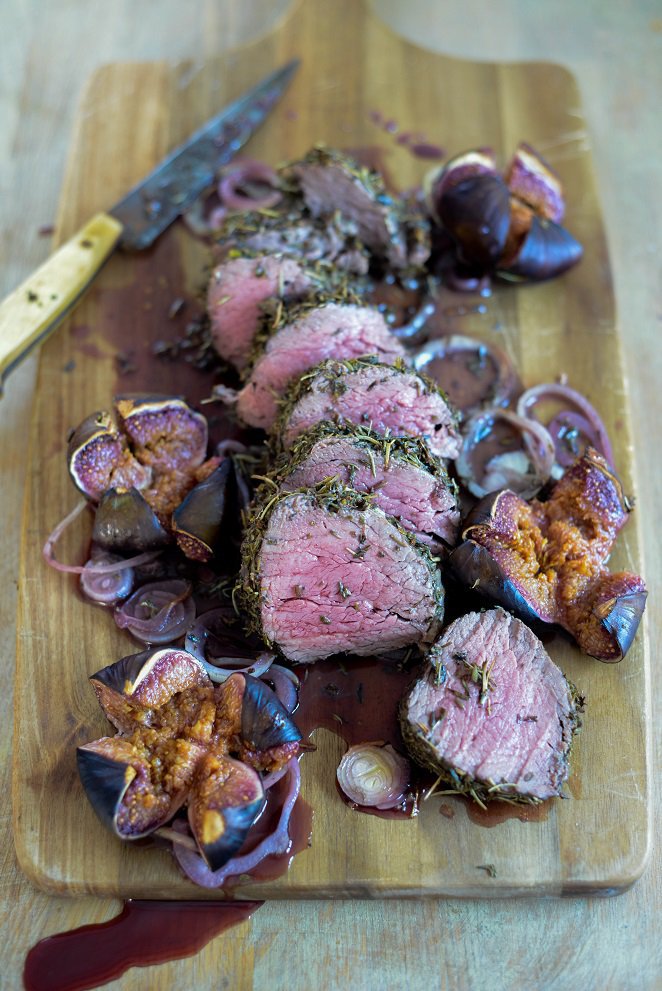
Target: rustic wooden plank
597	841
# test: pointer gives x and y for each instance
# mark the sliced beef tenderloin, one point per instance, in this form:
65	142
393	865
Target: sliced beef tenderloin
238	288
368	392
332	183
332	330
290	229
492	714
404	479
326	573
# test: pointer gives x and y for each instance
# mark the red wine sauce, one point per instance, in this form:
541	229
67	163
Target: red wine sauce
144	933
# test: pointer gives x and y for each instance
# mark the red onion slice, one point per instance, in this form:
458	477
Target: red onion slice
202	219
230	446
277	843
91	568
372	775
222	648
106	589
158	613
286	686
525	472
587	423
249	185
500	391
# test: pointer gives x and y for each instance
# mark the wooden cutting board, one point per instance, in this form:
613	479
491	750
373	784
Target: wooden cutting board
353	72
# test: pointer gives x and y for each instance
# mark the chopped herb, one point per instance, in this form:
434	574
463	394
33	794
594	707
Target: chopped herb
344	591
490	868
326	620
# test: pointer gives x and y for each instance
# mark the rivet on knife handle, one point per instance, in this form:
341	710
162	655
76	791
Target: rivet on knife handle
33	310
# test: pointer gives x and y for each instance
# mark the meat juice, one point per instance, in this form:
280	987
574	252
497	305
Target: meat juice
144	933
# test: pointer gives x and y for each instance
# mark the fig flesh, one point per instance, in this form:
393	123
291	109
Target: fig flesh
183	740
547	561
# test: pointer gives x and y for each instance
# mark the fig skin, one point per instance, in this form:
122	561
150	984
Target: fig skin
546	251
226	799
198	519
125	522
164	431
476	213
551	566
183	754
532	180
98	458
111	769
134	687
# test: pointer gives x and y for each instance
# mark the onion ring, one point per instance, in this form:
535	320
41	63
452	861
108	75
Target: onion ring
202	221
239	189
90	569
214	644
587	423
286	686
106	589
500	392
277	843
406	331
174	607
504	470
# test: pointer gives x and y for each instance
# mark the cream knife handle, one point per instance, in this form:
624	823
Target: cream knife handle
33	311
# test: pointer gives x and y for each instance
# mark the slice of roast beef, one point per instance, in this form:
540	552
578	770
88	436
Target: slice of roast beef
332	330
492	714
404	479
290	229
332	183
238	287
326	573
367	392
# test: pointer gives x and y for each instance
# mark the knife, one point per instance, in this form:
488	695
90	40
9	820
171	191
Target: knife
32	311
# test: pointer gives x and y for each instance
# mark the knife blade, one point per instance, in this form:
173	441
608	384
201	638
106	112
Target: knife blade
32	311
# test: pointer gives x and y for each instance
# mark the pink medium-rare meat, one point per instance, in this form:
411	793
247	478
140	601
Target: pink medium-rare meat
404	479
332	184
332	330
492	713
296	233
237	288
387	398
325	573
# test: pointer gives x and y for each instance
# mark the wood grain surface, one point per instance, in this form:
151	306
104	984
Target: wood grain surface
615	52
565	326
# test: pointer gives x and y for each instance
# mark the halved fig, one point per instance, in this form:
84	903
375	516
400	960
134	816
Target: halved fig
99	458
197	520
164	431
547	250
265	722
252	713
476	213
125	522
226	798
131	690
547	561
477	161
532	180
129	791
612	615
